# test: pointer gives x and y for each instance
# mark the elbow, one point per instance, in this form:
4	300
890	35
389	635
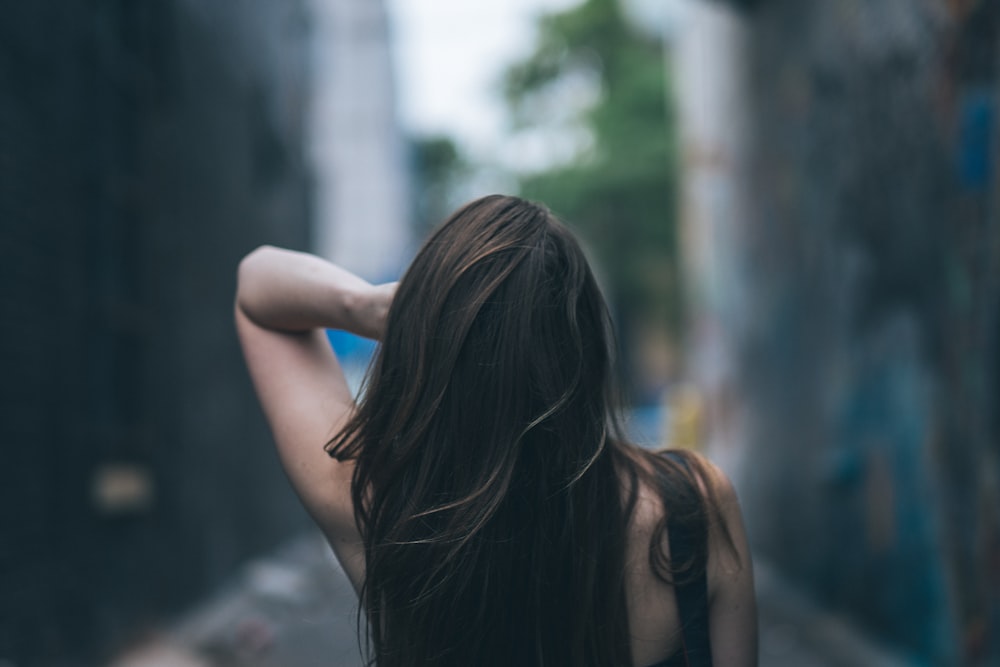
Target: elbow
253	262
250	269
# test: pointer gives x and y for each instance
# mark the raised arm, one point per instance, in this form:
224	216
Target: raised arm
291	292
284	300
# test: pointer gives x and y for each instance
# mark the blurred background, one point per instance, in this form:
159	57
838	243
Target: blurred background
794	208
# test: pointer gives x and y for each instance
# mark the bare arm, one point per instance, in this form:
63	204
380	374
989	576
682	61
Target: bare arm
288	291
284	300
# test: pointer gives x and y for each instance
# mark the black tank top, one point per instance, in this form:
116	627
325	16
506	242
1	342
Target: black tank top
692	601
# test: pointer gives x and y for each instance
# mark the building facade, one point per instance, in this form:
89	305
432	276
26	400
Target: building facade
846	276
145	147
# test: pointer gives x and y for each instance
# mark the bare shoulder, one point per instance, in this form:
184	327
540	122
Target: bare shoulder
654	622
732	600
727	534
729	553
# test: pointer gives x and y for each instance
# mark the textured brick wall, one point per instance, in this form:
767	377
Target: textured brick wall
144	147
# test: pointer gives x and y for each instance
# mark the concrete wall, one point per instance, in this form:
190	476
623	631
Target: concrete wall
144	147
858	312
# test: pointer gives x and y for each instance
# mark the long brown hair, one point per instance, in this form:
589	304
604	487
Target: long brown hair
490	465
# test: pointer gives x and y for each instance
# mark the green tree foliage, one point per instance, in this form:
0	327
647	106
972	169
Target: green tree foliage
619	191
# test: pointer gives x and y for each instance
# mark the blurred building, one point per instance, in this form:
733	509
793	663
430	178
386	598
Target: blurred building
358	154
842	222
358	157
144	148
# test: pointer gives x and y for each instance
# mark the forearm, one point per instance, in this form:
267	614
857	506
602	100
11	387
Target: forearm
291	291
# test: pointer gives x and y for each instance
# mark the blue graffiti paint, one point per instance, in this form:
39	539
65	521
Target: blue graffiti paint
880	466
977	139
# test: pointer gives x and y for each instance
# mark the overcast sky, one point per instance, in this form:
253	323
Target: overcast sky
449	55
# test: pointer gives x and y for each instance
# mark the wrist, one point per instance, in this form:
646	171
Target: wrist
352	300
369	309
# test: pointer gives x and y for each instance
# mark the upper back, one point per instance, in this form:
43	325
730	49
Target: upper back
654	623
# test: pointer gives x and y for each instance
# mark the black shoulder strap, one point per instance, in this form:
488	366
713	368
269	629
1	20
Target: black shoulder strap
692	596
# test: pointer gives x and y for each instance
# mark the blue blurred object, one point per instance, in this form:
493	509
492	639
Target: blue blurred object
644	425
976	140
351	349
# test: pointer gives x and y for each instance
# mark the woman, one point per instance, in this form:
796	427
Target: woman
480	496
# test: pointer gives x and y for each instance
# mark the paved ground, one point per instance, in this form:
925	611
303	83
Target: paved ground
296	609
796	633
